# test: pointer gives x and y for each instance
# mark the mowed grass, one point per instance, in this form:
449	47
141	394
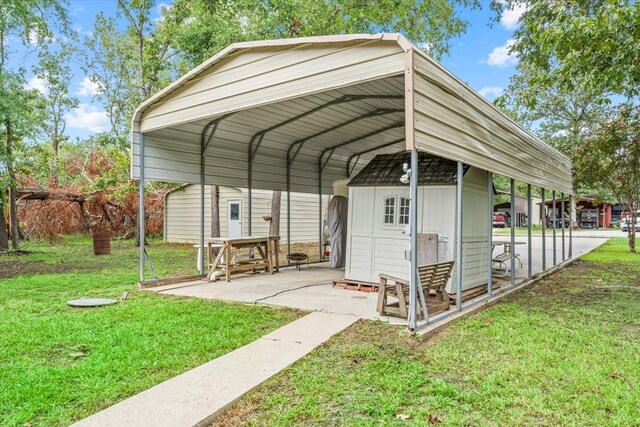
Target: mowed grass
563	352
60	364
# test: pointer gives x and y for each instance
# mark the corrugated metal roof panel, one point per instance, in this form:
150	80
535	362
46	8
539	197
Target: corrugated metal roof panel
268	83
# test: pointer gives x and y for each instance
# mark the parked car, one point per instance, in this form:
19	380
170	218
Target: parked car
625	222
499	220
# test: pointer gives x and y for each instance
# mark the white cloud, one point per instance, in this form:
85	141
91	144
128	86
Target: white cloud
162	8
38	84
500	56
491	92
88	117
88	87
33	37
510	17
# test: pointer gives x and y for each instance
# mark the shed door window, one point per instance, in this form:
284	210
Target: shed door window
234	213
390	210
403	214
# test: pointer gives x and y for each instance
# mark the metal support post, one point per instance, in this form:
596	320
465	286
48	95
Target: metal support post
490	234
413	212
543	229
513	232
563	226
570	226
529	219
555	220
141	205
201	251
320	168
459	186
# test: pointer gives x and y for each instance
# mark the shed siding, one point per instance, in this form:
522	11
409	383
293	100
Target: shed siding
454	122
182	221
373	248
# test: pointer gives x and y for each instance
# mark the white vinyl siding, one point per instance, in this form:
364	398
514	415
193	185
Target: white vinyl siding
182	220
375	248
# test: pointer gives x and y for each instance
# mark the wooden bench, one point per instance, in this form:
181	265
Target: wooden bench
432	277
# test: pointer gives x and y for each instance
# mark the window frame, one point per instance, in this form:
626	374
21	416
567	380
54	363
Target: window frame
402	215
385	215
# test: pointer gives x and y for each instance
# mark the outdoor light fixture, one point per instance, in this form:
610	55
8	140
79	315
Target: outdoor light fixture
407	174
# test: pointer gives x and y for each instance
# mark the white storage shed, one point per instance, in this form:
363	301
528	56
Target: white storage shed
182	214
378	242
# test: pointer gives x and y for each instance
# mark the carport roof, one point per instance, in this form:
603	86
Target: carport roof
265	113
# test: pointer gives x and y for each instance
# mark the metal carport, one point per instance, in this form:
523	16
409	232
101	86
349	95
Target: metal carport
297	114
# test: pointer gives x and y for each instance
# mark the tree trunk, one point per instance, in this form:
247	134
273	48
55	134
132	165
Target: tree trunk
13	208
632	226
215	211
53	178
4	237
274	225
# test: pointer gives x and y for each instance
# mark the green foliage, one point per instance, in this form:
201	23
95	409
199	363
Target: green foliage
64	363
589	44
201	28
574	58
612	159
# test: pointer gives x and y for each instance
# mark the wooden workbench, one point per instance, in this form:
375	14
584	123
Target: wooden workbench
267	248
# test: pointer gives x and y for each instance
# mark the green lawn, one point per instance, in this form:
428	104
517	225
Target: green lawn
561	352
60	364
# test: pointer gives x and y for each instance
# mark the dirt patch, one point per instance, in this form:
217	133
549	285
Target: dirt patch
10	268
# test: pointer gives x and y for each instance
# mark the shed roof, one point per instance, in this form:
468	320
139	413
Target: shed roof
386	170
258	110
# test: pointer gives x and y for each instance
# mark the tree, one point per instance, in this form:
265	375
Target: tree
19	19
612	159
54	70
588	43
200	28
274	224
129	64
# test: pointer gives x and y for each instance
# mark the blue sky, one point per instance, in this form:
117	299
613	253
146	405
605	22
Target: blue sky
479	57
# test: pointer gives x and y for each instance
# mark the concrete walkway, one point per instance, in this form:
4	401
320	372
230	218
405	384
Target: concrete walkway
196	396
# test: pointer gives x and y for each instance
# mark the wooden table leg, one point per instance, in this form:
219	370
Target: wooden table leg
214	265
269	259
227	261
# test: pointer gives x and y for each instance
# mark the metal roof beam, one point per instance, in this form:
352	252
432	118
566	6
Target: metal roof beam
341	100
300	142
357	155
360	138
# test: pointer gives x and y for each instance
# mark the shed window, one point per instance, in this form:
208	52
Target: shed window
403	214
390	210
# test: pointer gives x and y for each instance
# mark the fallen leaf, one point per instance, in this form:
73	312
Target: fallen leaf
614	374
488	321
434	420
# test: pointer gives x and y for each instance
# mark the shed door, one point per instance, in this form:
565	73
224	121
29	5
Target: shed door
234	219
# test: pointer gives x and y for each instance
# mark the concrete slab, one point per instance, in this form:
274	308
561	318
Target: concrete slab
311	289
197	396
